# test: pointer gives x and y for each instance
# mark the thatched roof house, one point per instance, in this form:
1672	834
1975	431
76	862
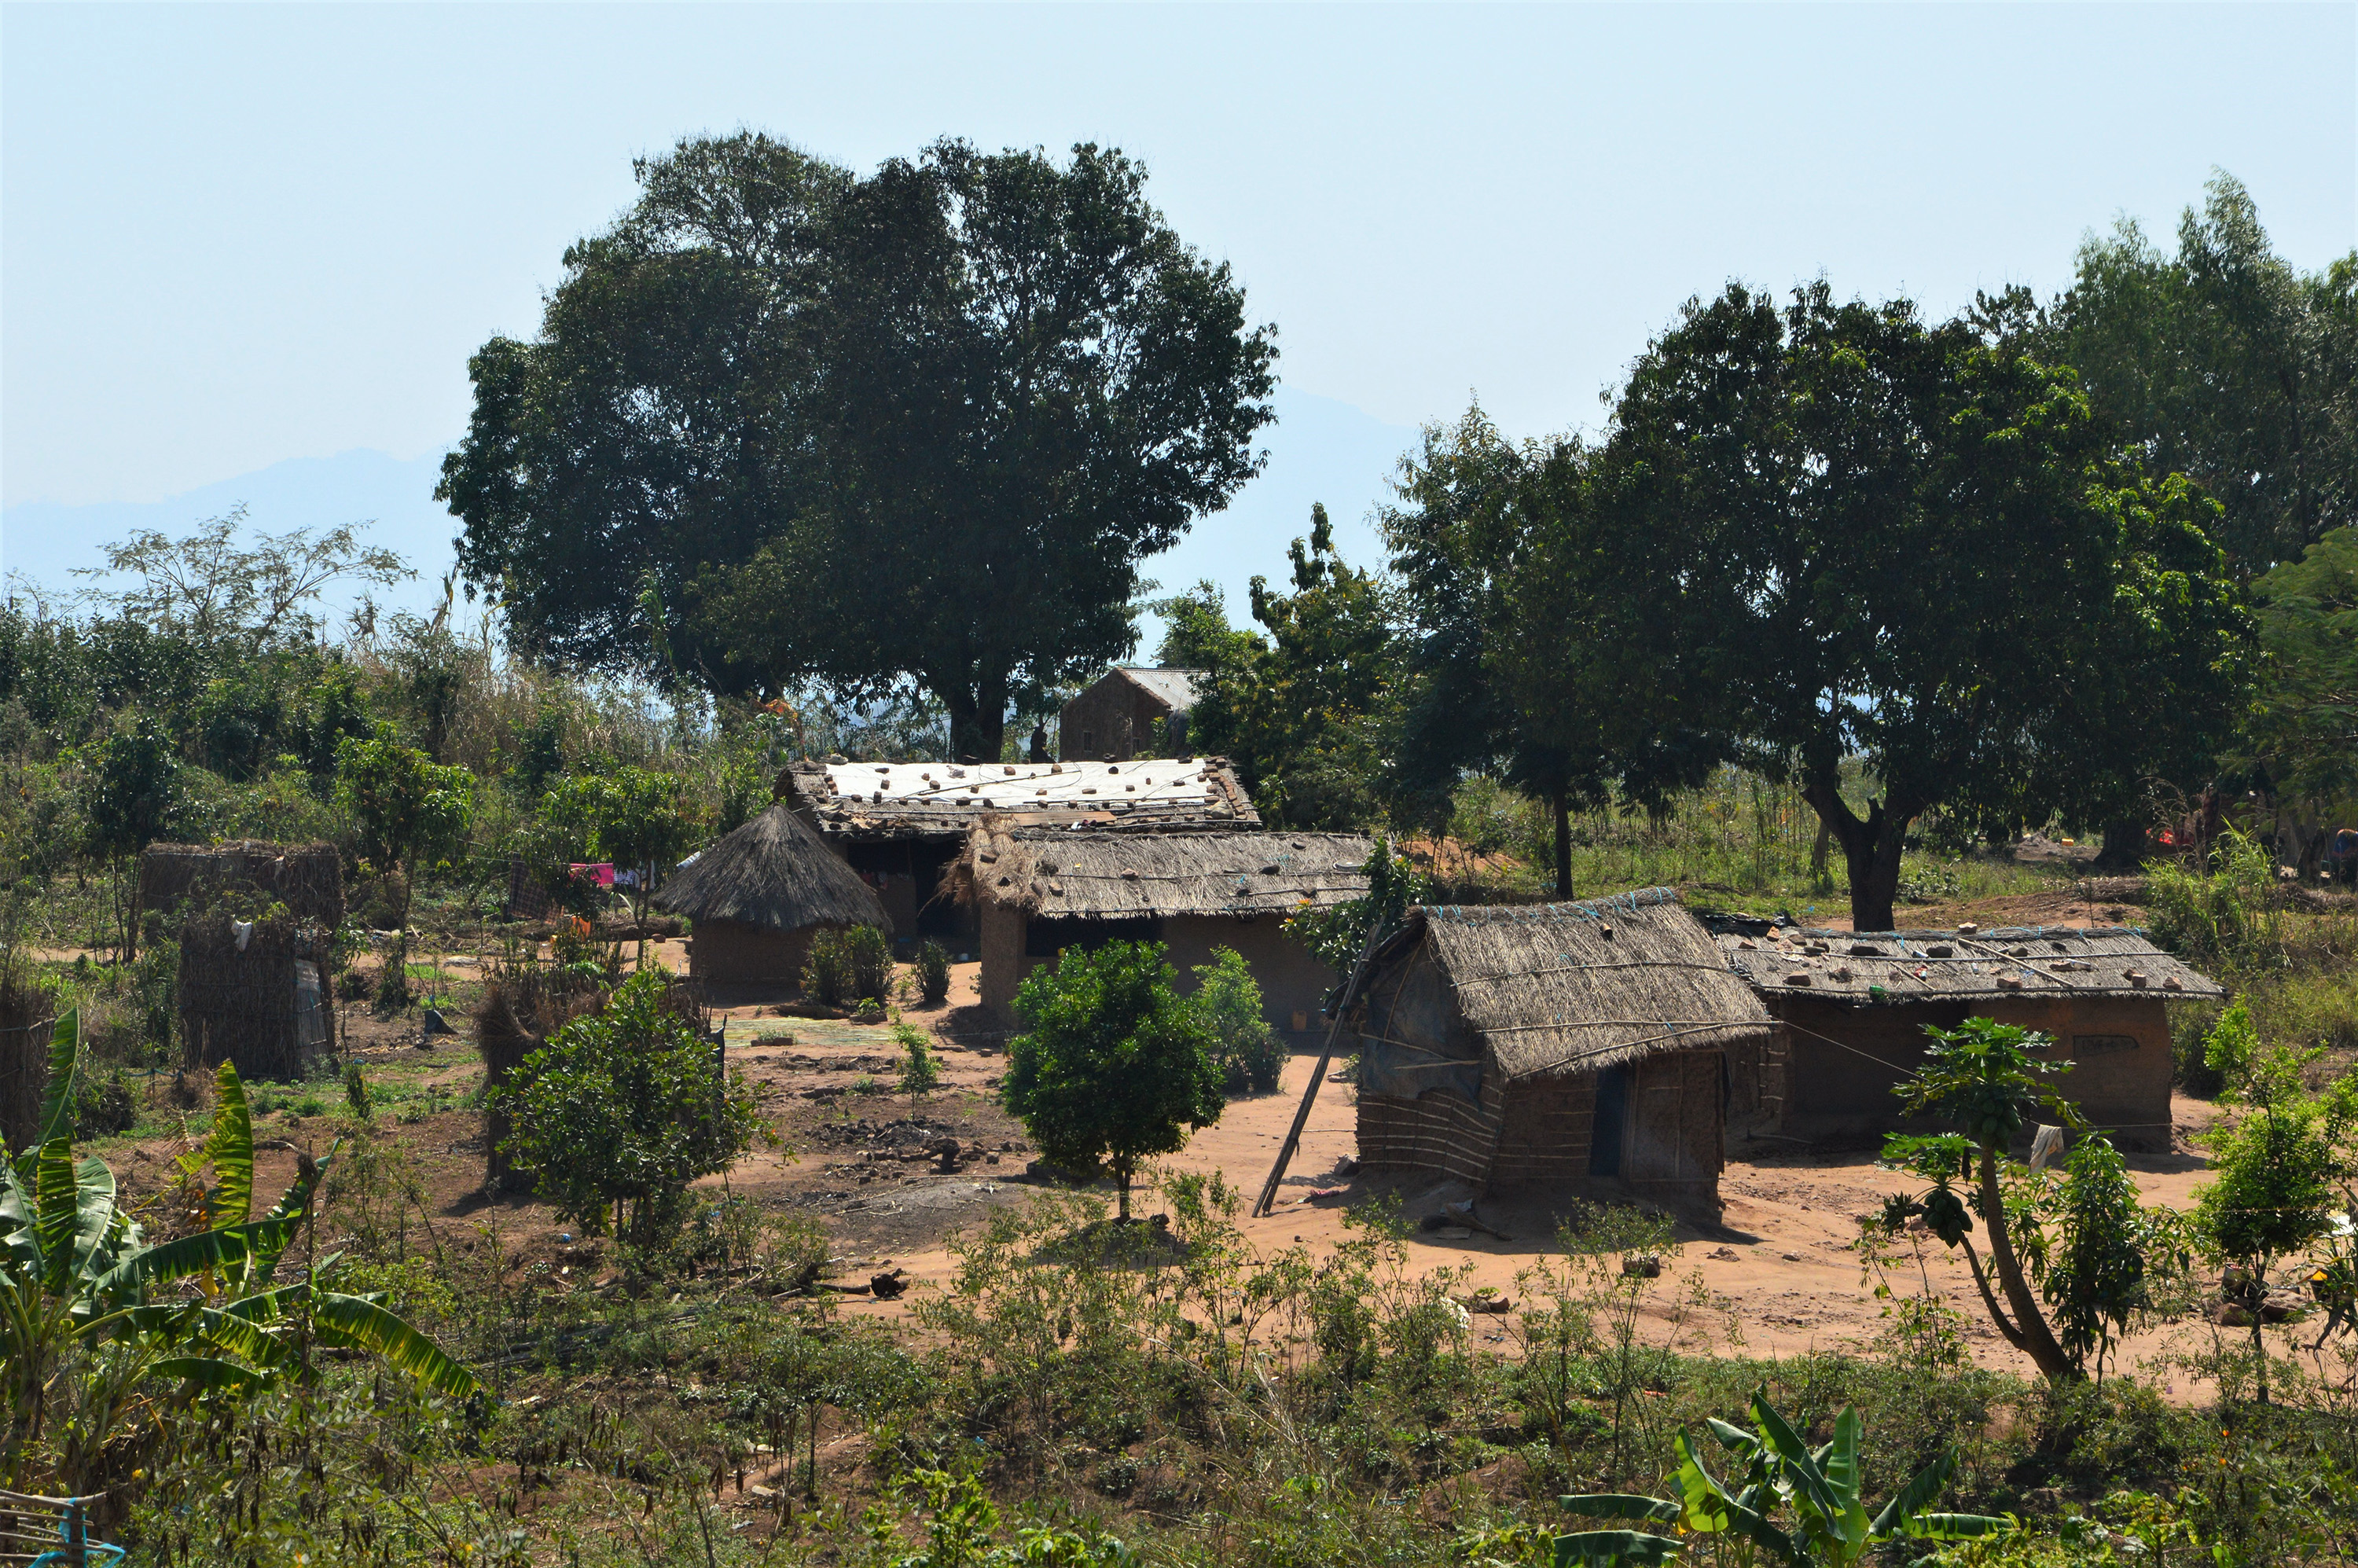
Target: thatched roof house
1853	1008
759	894
900	823
1576	1043
1040	890
306	877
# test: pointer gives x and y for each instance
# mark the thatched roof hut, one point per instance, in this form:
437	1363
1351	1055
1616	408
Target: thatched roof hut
758	895
1853	1008
307	878
1574	1043
1040	890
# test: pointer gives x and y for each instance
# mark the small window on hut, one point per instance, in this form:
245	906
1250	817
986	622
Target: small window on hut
2086	1045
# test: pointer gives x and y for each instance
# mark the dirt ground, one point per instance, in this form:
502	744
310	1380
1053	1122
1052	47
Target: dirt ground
1779	1268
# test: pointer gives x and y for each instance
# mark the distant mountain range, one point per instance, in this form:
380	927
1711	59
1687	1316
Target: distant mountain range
1319	449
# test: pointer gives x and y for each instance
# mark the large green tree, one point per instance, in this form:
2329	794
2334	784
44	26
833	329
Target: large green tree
2225	362
1914	543
1499	551
912	431
1299	713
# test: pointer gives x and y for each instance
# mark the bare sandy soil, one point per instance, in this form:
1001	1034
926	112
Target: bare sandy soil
1780	1268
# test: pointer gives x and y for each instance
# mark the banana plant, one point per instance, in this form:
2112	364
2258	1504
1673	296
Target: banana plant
96	1323
1822	1488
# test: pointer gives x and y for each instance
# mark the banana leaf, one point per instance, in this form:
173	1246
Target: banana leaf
1801	1466
57	1196
231	1150
209	1374
222	1251
1598	1547
65	1055
1956	1527
1913	1500
364	1326
1839	1464
1620	1505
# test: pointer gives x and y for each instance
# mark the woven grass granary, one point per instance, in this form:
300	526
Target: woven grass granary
760	894
254	921
306	877
1576	1044
1041	890
902	826
1853	1008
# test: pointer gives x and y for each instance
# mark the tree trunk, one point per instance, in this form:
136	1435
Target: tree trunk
1563	846
1122	1175
2038	1340
1870	847
978	719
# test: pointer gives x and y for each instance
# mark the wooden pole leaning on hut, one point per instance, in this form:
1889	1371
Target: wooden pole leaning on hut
1267	1198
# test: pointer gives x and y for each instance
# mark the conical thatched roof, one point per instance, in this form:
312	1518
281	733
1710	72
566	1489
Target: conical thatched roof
1561	989
772	872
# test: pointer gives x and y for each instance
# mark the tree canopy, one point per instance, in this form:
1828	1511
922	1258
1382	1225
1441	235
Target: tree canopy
1913	543
911	431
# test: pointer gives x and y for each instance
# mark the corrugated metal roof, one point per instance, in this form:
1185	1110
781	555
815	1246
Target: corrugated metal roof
1888	967
1175	689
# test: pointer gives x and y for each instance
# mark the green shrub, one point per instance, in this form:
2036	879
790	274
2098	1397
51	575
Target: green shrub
626	1107
1247	1049
932	971
920	1072
104	1103
848	965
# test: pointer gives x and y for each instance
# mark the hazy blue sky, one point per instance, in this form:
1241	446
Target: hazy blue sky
233	237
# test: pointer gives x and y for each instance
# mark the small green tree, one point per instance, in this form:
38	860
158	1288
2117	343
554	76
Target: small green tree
131	797
2276	1190
1980	1076
1248	1050
1113	1067
627	1107
921	1070
635	817
404	807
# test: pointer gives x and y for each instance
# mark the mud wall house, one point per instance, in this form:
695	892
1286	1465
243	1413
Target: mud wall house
1038	890
254	922
760	896
900	826
1580	1046
1129	709
1852	1009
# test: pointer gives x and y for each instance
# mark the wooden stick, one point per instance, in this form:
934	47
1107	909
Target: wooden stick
1309	1096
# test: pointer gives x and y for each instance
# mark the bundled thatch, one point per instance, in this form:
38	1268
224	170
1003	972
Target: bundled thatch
773	873
1885	968
306	877
1125	873
874	802
1561	989
252	993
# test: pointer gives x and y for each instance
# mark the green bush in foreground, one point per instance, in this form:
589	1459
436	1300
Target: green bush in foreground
622	1110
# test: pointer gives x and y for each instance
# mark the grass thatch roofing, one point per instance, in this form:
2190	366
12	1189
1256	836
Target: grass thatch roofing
1110	873
776	873
306	877
1871	968
871	801
1555	989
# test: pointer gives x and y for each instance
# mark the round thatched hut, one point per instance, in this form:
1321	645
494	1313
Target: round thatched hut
759	895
